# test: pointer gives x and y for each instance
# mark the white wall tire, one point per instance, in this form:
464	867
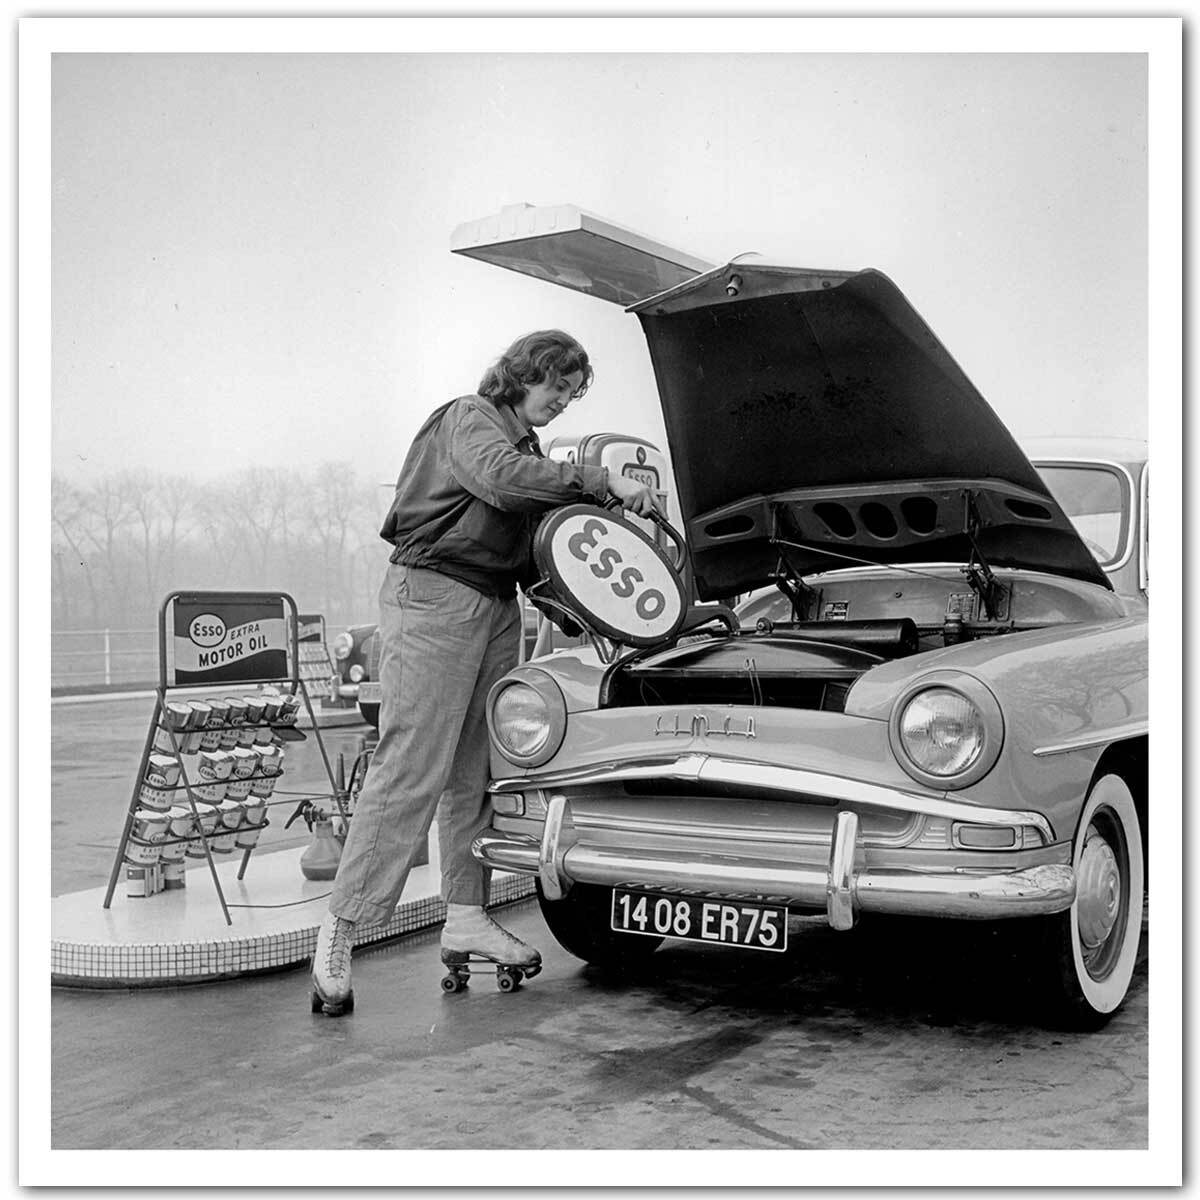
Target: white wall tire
1094	945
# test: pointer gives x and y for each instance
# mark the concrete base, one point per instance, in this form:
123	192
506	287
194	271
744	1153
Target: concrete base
181	936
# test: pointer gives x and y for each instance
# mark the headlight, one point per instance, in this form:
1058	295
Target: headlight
357	673
527	716
947	731
342	645
941	731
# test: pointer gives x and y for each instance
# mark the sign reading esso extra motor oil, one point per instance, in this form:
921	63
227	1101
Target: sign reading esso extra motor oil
612	574
228	640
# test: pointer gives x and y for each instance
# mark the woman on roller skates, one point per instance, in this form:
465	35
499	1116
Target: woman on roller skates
468	496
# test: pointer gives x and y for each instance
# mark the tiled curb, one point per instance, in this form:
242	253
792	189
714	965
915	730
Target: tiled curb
159	964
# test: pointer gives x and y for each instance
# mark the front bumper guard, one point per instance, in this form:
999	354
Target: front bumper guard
841	888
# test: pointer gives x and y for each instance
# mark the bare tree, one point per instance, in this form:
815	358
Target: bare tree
331	517
177	496
71	520
120	545
112	511
140	491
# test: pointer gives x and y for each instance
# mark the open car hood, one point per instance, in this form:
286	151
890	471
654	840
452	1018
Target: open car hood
813	416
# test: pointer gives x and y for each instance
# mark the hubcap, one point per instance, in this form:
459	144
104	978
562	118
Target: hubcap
1098	883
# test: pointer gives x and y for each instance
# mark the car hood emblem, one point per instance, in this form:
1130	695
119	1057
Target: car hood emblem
701	724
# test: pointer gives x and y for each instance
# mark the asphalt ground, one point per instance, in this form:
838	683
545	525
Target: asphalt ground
897	1035
852	1041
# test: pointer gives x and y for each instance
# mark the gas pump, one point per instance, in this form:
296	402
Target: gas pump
635	458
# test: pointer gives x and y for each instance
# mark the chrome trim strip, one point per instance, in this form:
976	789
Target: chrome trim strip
1130	533
552	884
1035	891
707	768
839	891
685	767
1143	519
1102	737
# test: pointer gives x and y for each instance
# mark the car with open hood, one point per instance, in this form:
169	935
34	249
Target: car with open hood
933	701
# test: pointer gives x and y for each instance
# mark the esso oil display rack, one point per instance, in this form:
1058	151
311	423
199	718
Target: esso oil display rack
211	764
316	665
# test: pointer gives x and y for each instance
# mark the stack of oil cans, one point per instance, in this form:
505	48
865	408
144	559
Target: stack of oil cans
226	751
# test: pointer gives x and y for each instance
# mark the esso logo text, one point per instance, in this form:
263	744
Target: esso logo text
207	630
616	576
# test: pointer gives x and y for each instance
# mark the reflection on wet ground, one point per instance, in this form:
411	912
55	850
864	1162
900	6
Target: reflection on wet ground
901	1034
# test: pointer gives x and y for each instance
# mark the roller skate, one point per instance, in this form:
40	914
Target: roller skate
331	990
471	938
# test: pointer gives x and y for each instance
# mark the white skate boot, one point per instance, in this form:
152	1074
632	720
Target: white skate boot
332	993
471	936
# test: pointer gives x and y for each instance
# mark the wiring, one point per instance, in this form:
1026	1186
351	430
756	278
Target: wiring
287	904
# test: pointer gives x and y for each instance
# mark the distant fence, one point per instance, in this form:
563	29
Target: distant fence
83	659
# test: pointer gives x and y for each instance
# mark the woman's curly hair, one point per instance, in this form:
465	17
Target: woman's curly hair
548	353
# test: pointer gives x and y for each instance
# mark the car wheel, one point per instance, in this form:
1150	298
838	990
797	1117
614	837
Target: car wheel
370	713
1091	949
580	925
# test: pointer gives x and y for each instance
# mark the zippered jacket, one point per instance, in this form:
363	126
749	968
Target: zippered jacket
470	493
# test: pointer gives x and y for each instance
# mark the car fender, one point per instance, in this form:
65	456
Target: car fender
578	672
1066	695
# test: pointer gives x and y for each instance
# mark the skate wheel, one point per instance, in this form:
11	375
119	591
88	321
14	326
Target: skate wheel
451	984
332	1010
507	981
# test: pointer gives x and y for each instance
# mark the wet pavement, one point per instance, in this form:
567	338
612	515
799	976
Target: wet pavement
898	1035
892	1037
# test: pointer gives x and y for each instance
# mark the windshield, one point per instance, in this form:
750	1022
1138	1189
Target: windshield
1096	498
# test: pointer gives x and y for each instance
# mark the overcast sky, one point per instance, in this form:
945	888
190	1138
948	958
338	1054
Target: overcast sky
251	252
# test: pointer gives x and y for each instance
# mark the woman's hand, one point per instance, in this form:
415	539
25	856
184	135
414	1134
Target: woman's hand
637	497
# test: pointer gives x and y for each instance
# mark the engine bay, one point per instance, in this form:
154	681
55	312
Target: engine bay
805	648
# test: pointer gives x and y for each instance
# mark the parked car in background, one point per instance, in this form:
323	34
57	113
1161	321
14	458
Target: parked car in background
938	708
1103	485
356	655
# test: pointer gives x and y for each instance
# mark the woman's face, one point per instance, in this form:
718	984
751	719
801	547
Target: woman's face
544	401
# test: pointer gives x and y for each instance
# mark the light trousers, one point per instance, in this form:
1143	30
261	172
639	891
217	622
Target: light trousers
443	646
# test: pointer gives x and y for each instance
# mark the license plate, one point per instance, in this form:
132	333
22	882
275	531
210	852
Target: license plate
696	919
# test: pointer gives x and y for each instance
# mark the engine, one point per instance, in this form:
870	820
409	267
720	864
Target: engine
812	667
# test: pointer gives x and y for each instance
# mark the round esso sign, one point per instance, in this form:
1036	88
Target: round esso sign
207	630
611	573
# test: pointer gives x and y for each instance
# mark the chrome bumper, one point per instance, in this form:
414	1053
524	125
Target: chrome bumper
839	887
770	779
